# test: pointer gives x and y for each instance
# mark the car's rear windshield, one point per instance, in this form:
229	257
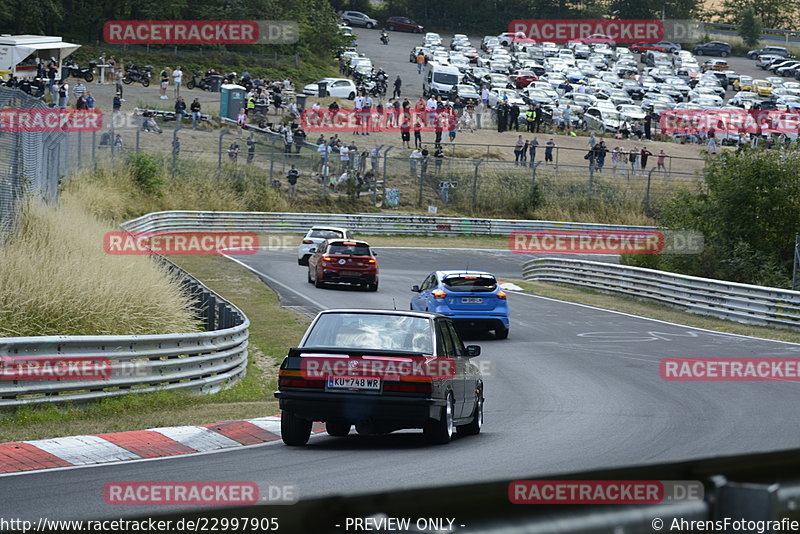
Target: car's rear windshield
325	234
470	283
351	249
372	331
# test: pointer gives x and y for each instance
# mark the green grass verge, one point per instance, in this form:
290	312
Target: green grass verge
652	310
272	331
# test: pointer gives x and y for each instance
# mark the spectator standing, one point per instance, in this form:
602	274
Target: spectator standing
397	84
117	104
648	124
288	140
118	76
79	90
374	159
413	160
523	156
425	157
291	179
712	142
600	155
324	151
164	84
420	61
532	149
417	131
615	154
644	154
251	148
662	156
438	158
112	67
51	76
81	103
633	158
63	95
405	130
344	158
118	141
299	139
180	109
89	101
537	117
177	80
518	149
548	151
233	151
196	115
514	118
241	120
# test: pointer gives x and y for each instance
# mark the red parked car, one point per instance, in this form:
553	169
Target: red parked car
523	78
402	24
343	261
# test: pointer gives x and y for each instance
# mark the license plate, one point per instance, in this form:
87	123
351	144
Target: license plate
350	273
352	382
471	300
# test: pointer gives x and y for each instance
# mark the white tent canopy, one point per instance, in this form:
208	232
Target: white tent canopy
14	49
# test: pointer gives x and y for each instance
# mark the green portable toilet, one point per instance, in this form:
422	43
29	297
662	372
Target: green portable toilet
231	100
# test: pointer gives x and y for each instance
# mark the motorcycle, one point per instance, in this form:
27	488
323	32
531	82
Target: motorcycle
199	81
385	38
34	88
86	73
135	74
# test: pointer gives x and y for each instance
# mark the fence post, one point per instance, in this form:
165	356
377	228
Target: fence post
138	133
94	146
591	177
796	261
80	149
647	194
176	146
375	190
533	177
475	186
219	154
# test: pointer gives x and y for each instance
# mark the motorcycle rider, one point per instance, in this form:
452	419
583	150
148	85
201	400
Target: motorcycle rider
385	37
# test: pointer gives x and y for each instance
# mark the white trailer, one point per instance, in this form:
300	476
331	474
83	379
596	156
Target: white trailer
19	53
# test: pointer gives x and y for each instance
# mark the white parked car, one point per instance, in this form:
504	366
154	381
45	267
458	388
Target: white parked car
631	112
433	38
337	87
496	97
317	235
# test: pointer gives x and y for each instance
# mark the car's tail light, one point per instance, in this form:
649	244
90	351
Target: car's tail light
326	258
307	242
438	294
294	378
409	387
501	295
371	261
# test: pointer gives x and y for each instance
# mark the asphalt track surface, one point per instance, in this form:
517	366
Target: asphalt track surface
572	388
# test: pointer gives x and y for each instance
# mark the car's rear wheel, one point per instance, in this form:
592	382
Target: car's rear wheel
351	96
501	333
723	54
474	427
699	53
441	432
372	287
294	430
370	25
308	275
318	282
338	429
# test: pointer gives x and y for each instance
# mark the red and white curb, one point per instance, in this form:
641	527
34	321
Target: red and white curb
138	444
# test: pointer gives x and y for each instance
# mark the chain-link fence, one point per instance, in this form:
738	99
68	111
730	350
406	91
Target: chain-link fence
33	162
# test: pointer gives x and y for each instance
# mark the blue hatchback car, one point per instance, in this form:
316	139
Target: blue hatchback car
473	299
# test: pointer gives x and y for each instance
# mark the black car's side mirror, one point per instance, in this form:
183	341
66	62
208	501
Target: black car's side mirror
473	350
415	288
312	250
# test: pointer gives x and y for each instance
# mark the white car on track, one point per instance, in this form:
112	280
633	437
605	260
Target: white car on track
317	235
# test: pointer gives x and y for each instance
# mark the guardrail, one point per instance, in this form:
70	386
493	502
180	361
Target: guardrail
766	306
365	224
200	362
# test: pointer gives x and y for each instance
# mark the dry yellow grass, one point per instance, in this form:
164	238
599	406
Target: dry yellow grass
56	279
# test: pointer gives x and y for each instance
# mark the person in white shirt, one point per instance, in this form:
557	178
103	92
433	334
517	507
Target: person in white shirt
413	159
177	79
344	158
430	105
315	106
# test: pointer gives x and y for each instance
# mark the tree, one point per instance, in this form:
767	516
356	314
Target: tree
749	28
748	211
779	14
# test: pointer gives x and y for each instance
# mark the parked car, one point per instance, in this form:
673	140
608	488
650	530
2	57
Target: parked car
762	87
336	87
467	93
602	119
715	64
744	83
402	24
473	299
340	375
764	61
769	50
357	18
663	46
713	48
317	235
343	261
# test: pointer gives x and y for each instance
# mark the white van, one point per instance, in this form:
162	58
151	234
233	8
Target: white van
439	80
